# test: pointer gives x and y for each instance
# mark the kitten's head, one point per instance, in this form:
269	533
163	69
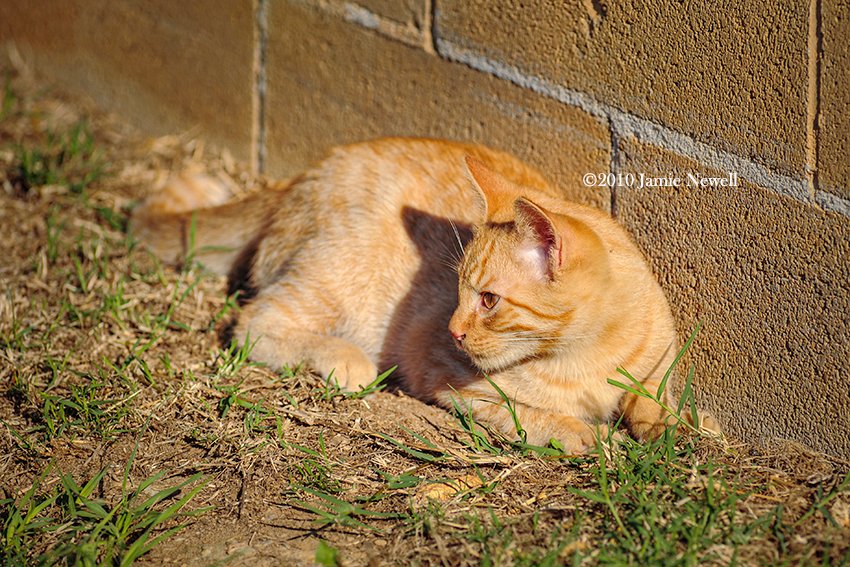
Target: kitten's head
528	280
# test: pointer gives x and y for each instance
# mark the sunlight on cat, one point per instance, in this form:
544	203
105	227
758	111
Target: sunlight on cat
445	259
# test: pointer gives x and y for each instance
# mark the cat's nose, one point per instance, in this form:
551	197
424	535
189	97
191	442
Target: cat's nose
458	337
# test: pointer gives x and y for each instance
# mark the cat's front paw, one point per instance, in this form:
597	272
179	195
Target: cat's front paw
579	438
707	423
349	373
649	431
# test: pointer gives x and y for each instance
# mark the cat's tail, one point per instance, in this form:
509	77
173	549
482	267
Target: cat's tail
191	217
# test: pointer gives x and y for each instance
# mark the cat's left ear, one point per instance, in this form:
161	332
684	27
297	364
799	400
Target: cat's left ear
543	238
494	193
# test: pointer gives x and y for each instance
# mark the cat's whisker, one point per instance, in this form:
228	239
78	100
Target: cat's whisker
456	260
451	265
450	257
453	253
541	332
457	237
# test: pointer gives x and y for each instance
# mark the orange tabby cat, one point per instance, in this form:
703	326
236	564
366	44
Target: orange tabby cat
449	260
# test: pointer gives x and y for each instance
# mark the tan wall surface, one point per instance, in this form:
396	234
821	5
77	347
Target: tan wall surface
731	74
768	280
165	65
759	89
412	12
329	83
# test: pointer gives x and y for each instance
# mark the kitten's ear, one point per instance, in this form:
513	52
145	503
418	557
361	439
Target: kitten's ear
543	238
495	194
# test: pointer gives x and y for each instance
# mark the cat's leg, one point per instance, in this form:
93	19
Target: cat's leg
647	420
644	418
286	329
540	425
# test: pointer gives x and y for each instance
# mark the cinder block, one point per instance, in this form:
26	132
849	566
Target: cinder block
330	83
834	120
769	279
163	65
730	74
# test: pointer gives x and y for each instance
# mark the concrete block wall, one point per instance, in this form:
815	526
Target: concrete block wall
756	89
162	64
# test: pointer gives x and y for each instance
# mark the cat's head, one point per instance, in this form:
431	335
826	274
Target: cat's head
528	279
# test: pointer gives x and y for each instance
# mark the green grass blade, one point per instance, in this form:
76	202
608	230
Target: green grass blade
420	438
679	355
627	388
421	455
511	407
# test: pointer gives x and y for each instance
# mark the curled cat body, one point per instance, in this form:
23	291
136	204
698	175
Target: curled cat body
454	262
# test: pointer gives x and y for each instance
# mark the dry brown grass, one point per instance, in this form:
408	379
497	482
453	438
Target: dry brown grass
108	358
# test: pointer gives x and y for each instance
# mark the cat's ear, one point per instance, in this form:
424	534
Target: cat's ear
494	194
542	247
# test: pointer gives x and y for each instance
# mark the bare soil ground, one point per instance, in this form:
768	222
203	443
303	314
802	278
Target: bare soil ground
112	363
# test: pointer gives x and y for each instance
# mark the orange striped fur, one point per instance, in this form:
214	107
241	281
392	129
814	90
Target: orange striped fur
449	260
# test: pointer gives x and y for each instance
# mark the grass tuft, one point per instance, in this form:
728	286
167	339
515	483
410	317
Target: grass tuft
69	525
66	157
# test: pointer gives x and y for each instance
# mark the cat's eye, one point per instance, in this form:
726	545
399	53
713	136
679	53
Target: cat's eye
489	300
